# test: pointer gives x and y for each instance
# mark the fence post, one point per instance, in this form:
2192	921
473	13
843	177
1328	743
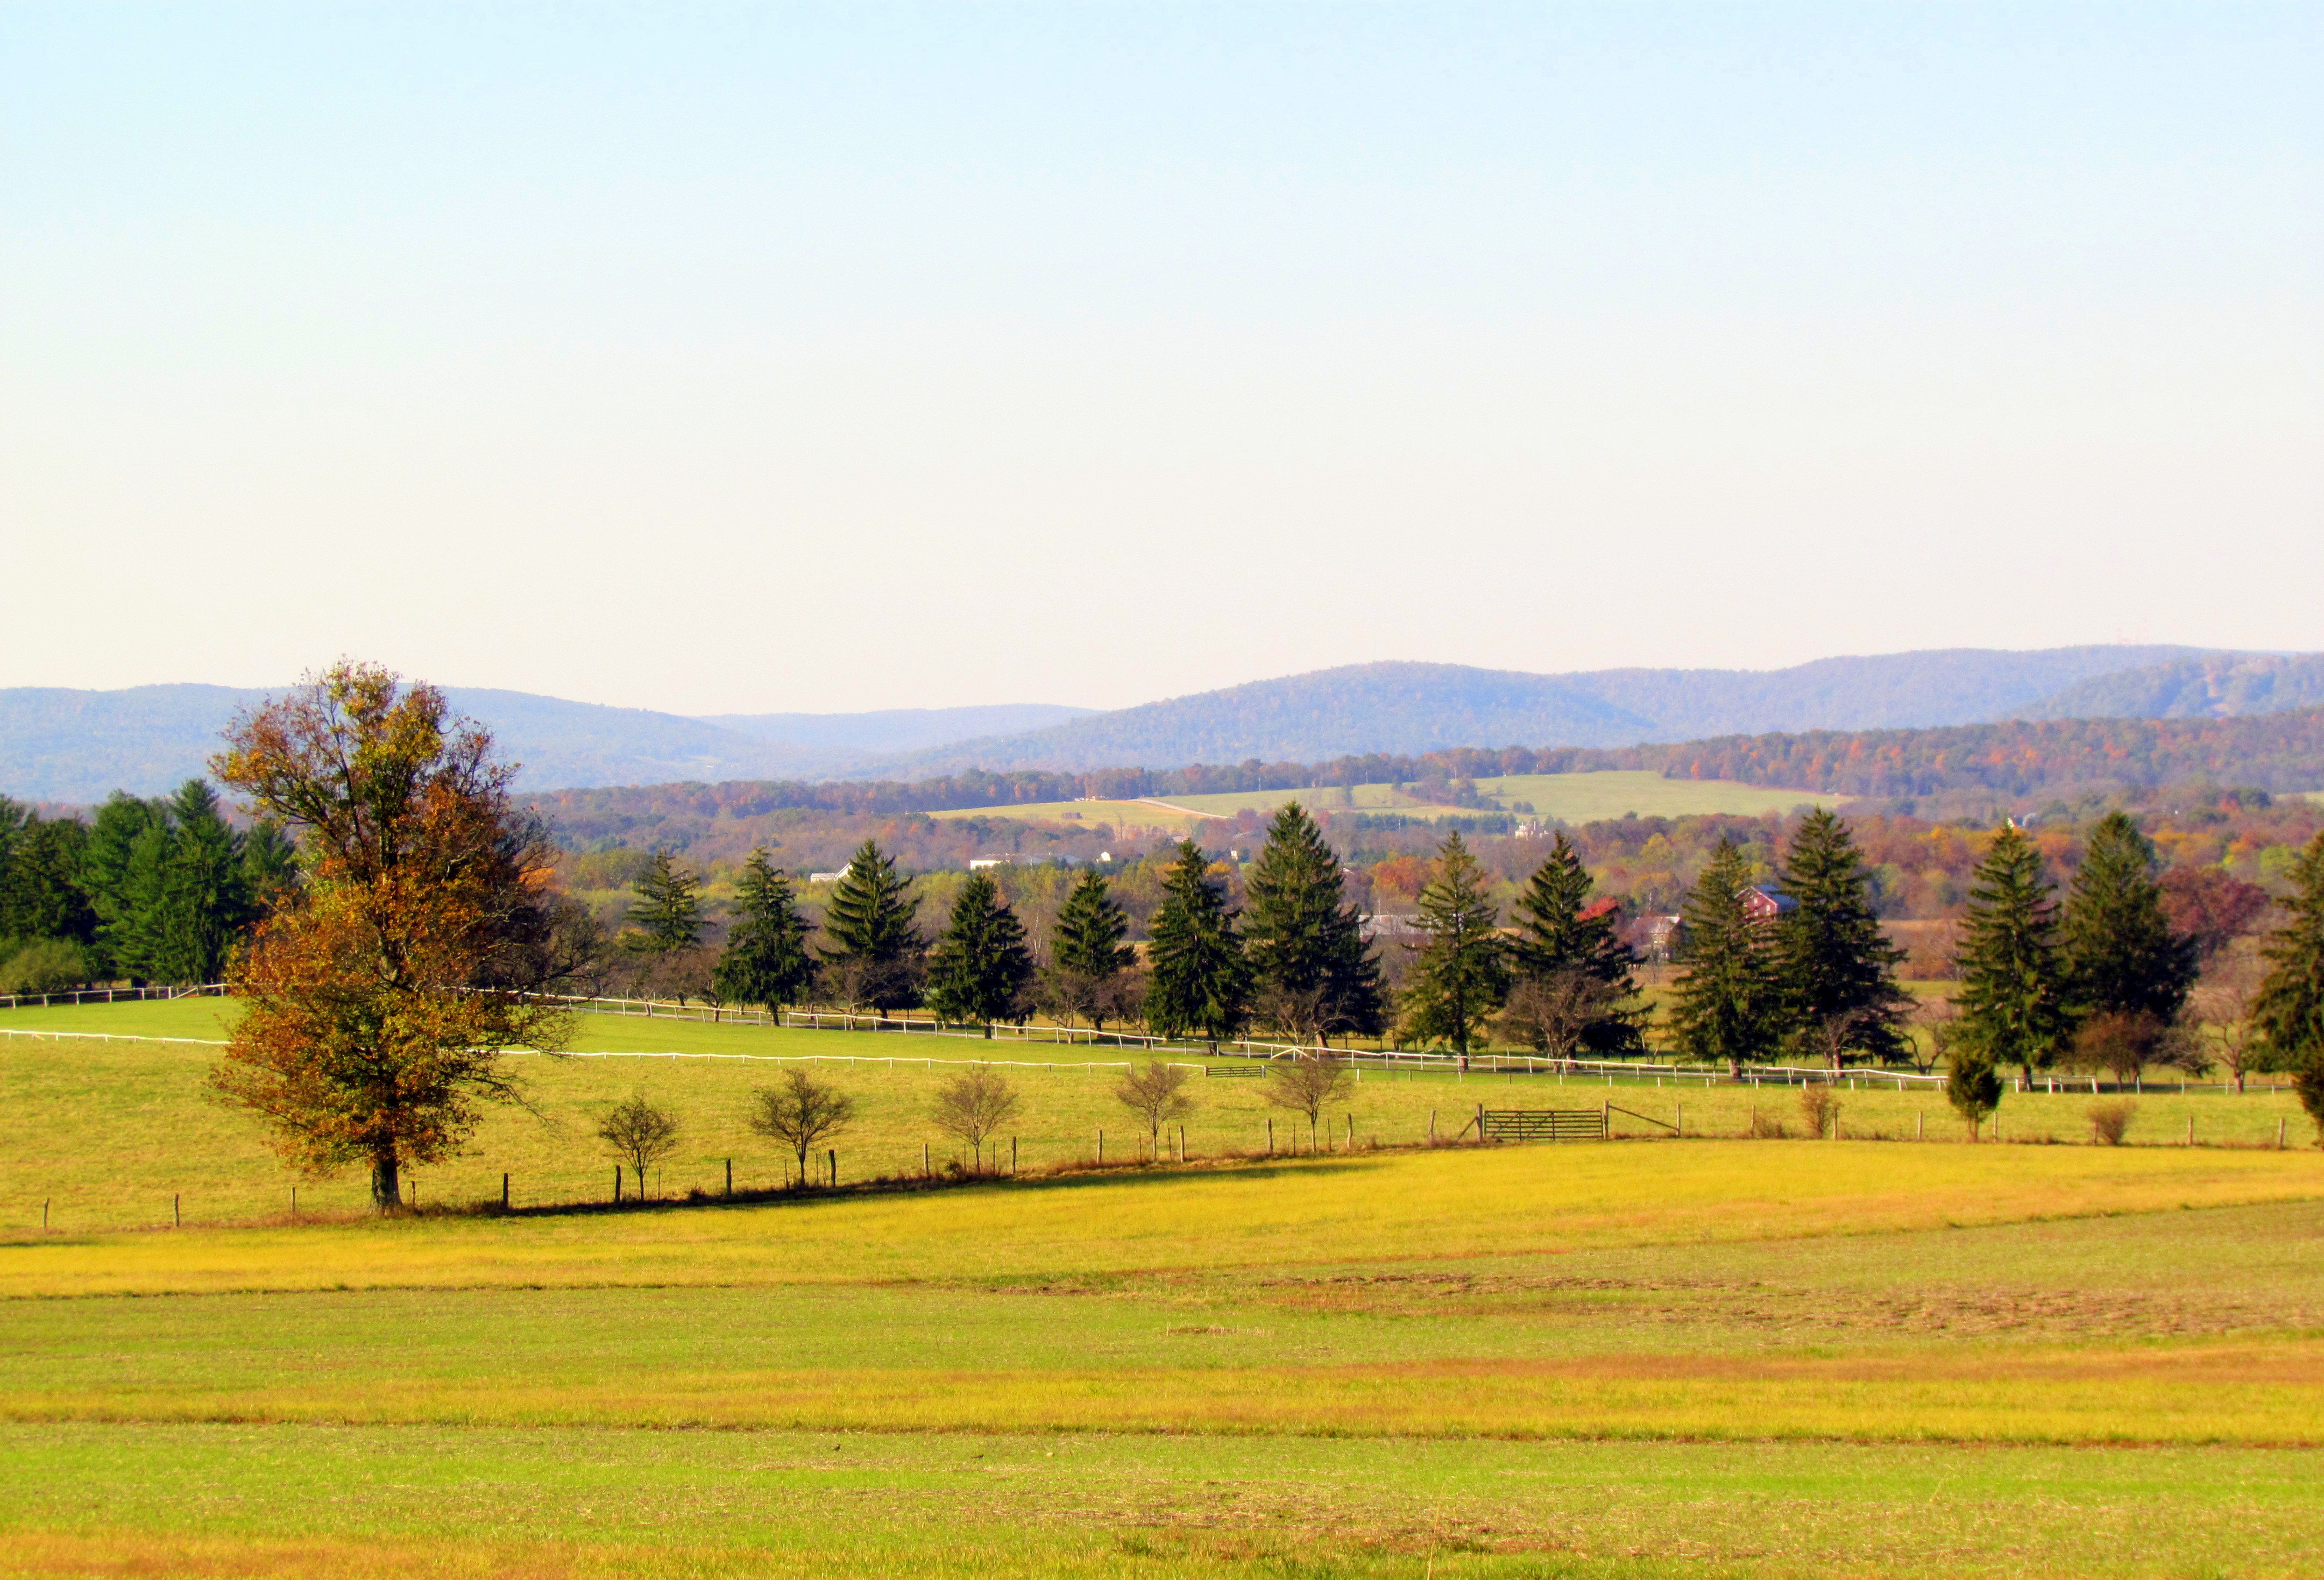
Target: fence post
617	1183
730	1176
1100	1143
1679	1129
1481	1123
1270	1136
503	1194
175	1220
1013	1157
835	1168
2191	1130
1431	1127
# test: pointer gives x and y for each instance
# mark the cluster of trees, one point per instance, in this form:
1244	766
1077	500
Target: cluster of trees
151	890
1292	957
804	1115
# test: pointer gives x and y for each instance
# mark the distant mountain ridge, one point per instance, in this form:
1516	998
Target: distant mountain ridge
77	746
57	744
1427	707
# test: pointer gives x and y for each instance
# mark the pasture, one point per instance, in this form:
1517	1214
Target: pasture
1709	1357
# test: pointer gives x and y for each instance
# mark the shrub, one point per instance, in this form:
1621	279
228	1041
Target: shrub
2110	1122
1767	1127
44	966
1820	1106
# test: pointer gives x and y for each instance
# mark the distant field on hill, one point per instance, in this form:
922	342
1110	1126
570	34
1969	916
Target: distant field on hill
1569	797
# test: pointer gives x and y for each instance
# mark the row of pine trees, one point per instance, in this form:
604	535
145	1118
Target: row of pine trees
150	891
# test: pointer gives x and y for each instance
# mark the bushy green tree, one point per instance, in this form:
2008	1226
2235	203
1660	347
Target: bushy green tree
873	953
1972	1087
1560	939
2011	1003
1835	969
2289	1013
668	914
204	901
1728	1005
1201	980
1313	972
979	969
2120	956
40	894
1460	975
765	960
1089	962
1090	929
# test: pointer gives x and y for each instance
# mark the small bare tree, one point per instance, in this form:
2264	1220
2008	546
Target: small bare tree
2110	1122
801	1112
640	1134
1940	1019
1828	1040
1305	1084
972	1106
1551	1015
2223	1006
1153	1092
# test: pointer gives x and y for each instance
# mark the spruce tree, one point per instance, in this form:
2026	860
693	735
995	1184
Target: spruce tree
41	896
1313	971
105	879
2289	1012
1972	1087
1727	1009
668	915
2012	1007
874	951
765	960
1835	967
1558	936
2120	956
1460	976
980	965
1087	939
205	899
1201	981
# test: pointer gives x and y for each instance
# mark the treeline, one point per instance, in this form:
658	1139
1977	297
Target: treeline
150	891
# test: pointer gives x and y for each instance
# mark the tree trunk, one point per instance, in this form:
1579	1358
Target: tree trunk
386	1180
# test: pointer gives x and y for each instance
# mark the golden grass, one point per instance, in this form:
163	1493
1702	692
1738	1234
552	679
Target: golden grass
2266	1394
1385	1207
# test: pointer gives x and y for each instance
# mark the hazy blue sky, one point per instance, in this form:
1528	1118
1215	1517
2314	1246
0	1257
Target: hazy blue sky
754	358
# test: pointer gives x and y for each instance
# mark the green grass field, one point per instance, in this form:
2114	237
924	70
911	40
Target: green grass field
1706	1357
1570	798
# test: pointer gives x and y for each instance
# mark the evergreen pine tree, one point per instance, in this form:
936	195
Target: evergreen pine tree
874	951
668	915
106	880
1726	1009
1314	972
1201	981
1087	939
41	896
269	865
765	960
980	965
1836	969
204	901
1558	936
2012	1008
2120	956
1972	1087
2289	1012
138	941
1460	976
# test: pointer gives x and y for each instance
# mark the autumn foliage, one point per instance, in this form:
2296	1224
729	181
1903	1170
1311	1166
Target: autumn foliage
378	1006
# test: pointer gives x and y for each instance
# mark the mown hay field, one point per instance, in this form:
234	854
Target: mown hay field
1699	1357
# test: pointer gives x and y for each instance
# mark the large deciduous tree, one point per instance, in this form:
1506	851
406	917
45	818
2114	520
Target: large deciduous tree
1727	1007
2013	1007
1201	980
1835	969
874	952
979	969
1460	976
765	960
379	999
1313	972
1573	993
